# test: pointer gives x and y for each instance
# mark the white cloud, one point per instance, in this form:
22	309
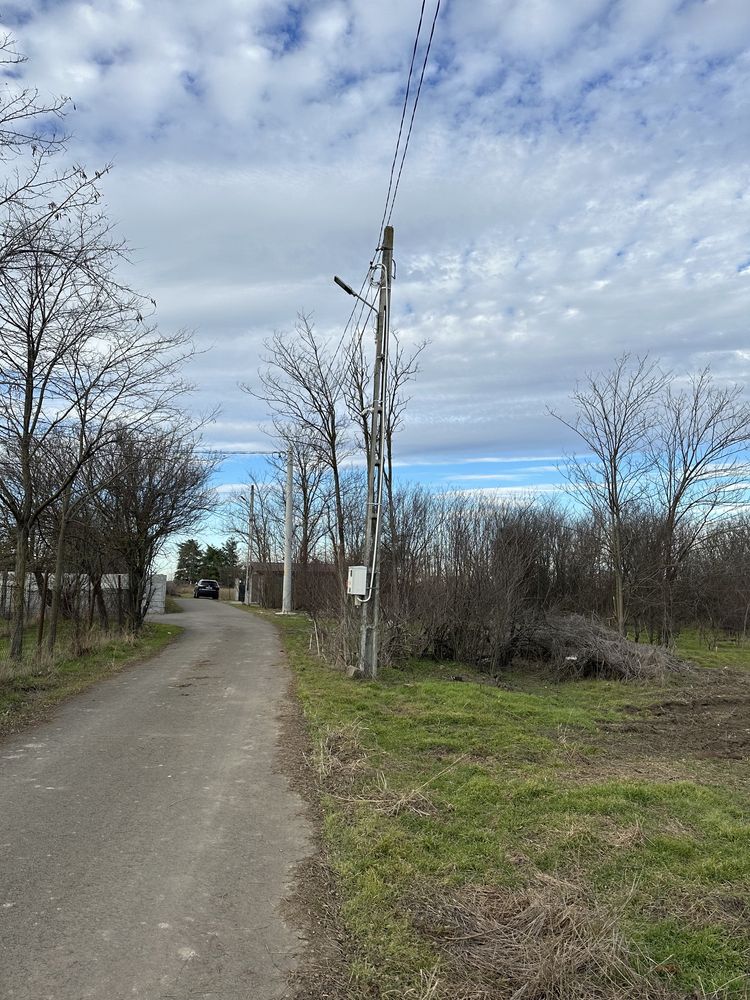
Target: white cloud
229	489
577	185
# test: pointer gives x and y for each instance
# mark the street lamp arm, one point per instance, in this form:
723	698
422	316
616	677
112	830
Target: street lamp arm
350	291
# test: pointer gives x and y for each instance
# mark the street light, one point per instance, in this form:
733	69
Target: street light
350	291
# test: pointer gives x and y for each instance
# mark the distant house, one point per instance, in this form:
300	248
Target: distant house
313	583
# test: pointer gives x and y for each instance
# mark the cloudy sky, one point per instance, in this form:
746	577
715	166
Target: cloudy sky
577	185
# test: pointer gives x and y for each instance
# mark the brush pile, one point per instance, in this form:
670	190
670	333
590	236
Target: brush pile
576	646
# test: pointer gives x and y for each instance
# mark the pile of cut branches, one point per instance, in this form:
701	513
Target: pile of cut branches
576	646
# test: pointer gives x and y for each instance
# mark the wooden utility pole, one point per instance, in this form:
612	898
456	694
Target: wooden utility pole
286	600
370	633
249	558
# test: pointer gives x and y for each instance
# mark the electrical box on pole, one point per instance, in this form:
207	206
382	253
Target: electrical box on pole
356	585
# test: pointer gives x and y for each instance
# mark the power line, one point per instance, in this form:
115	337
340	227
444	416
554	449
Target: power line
390	198
403	118
414	109
228	454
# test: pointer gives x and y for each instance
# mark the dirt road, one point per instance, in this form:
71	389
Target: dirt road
147	838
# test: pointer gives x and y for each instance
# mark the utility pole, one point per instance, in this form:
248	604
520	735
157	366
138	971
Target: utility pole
370	632
286	600
248	559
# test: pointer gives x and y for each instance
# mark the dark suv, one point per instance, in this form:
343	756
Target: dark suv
206	588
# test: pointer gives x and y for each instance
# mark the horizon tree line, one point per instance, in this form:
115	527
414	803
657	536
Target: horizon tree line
651	536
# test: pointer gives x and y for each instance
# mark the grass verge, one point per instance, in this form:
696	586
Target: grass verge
29	691
577	840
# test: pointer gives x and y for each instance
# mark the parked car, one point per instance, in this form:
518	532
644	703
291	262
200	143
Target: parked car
207	588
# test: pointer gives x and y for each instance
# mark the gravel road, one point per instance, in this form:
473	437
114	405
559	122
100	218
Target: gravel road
147	837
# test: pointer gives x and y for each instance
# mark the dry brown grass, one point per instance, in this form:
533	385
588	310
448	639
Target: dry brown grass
390	802
340	755
546	941
728	908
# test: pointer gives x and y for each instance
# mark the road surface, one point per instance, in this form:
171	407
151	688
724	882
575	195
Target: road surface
147	837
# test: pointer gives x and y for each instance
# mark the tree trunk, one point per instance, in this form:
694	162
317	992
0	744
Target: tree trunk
137	582
19	591
101	605
619	583
669	574
667	606
133	615
42	612
341	542
92	605
54	614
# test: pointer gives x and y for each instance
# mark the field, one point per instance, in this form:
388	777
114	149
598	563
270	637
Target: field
533	839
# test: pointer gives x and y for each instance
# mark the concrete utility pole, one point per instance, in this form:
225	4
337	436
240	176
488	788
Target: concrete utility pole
250	533
286	600
370	633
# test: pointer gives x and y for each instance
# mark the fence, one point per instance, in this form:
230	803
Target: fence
114	591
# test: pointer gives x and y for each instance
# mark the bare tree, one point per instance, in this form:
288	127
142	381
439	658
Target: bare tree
26	137
159	485
614	416
716	579
76	359
698	454
37	190
302	385
403	367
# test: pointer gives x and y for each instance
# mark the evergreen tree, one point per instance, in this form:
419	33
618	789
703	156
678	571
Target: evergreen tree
212	564
232	560
189	561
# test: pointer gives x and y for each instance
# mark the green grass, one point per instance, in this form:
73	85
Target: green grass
727	653
171	606
535	779
28	691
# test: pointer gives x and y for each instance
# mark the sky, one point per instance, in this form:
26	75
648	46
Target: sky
577	185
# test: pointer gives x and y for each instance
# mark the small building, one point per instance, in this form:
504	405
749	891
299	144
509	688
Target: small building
313	584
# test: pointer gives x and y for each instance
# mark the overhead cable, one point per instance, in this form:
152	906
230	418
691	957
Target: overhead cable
413	112
401	123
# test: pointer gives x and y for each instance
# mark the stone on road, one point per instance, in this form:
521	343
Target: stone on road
147	836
